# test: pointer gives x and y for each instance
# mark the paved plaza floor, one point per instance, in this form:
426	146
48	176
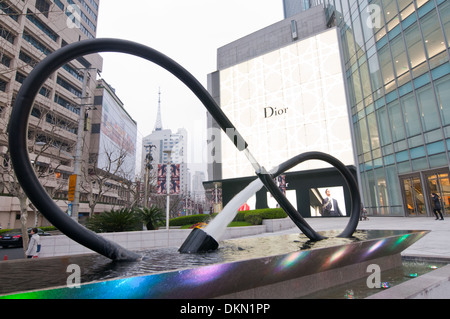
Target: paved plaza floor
434	244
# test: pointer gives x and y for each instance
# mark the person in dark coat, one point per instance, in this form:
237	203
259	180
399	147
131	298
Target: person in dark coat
330	206
437	206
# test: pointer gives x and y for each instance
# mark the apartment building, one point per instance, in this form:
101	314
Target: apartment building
30	31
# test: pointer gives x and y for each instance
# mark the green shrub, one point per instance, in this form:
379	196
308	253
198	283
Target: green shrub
44	228
120	220
48	228
8	230
152	217
255	217
240	216
188	220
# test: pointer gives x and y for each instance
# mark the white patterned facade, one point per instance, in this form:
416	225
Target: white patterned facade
286	102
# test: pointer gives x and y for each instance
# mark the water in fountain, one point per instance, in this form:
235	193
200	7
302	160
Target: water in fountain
219	224
288	251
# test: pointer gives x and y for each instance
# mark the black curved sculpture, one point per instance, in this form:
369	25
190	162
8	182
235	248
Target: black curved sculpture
346	174
18	141
199	241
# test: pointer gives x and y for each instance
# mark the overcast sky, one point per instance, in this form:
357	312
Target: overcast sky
190	32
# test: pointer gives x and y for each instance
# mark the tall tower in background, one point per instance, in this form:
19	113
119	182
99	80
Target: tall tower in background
158	124
162	140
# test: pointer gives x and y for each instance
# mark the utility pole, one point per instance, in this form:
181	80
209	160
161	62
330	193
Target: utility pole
79	147
148	167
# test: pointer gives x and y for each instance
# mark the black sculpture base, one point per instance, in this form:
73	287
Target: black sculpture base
198	241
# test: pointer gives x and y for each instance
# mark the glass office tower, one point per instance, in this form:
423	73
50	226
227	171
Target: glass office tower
396	56
293	7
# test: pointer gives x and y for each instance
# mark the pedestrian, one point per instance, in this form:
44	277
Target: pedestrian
437	206
363	214
330	205
34	246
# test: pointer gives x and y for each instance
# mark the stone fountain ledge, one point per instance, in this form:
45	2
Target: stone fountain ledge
61	245
433	285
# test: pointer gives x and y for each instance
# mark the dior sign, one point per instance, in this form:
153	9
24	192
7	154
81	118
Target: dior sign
273	111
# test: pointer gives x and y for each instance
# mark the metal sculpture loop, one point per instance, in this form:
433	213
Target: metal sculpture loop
36	193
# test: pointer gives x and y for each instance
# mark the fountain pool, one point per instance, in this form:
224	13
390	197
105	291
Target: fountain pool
248	267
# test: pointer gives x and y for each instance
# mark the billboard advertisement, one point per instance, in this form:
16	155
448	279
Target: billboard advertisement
161	180
118	135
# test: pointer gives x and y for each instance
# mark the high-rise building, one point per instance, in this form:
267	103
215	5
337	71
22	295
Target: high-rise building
197	185
293	7
113	134
283	89
163	145
396	58
29	31
395	62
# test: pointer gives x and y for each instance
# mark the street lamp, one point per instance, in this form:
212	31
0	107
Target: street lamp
168	152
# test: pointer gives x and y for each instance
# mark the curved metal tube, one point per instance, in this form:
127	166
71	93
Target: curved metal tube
18	130
200	241
349	179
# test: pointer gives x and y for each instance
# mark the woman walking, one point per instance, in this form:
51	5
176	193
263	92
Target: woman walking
437	206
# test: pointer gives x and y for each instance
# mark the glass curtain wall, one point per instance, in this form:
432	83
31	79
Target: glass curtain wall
396	55
293	7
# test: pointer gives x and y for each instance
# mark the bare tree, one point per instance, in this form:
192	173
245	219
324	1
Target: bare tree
129	189
108	175
45	152
50	133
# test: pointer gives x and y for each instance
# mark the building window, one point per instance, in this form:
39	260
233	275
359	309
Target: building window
36	43
3	85
68	105
73	72
59	4
410	111
427	108
7	35
432	33
395	116
443	96
399	57
27	59
45	92
414	45
36	112
5	60
41	25
6	8
43	6
445	17
68	86
386	65
20	77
